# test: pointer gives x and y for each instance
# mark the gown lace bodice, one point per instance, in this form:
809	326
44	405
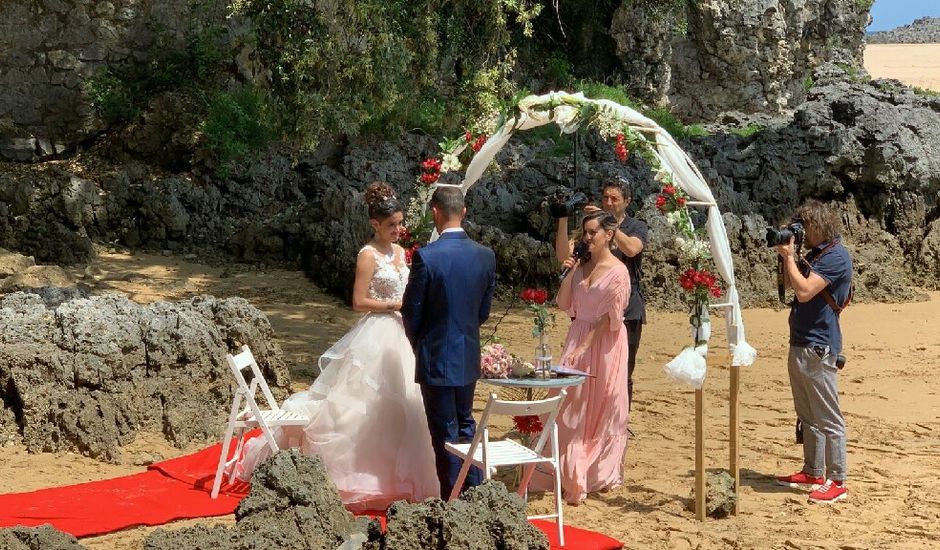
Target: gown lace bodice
389	280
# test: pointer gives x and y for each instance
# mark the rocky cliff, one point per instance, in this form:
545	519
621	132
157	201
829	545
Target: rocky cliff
925	30
865	147
49	49
704	58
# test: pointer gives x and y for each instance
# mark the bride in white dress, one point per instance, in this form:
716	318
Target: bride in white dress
367	416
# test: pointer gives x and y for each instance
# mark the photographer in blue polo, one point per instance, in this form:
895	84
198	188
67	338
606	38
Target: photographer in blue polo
822	285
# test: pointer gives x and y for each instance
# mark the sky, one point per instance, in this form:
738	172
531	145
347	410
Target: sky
888	14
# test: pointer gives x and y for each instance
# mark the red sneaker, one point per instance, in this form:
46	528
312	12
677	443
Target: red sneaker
830	492
801	480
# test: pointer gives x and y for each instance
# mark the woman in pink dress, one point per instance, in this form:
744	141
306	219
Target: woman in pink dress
592	424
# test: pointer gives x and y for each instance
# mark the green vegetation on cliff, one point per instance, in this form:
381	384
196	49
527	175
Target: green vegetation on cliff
306	72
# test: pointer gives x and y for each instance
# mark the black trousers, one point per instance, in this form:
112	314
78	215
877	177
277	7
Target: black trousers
634	331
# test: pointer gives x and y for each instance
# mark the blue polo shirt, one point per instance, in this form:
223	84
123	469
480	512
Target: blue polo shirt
814	323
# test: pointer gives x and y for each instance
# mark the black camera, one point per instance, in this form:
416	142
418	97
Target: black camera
840	361
563	202
794	230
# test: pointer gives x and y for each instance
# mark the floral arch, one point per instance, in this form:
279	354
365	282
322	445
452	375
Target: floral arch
683	187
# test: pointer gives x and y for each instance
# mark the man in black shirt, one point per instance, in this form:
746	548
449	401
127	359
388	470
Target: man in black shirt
630	239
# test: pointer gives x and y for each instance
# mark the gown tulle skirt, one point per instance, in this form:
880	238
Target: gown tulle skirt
367	419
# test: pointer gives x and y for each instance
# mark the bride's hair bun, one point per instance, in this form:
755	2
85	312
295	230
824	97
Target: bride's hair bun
381	200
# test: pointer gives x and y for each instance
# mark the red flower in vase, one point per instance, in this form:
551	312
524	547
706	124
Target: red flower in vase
536	298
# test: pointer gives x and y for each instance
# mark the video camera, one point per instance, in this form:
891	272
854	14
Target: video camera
563	202
794	230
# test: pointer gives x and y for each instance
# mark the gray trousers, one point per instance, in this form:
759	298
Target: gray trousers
814	382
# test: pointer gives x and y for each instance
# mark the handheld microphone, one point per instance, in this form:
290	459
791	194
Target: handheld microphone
579	253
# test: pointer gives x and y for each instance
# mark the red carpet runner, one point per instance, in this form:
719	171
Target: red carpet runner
167	491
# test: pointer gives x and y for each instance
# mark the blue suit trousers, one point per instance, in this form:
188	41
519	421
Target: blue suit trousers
450	419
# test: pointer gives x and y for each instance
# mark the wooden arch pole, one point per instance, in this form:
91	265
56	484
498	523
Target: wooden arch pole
734	421
734	437
700	454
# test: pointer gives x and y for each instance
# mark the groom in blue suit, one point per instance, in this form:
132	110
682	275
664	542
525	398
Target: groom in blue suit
447	299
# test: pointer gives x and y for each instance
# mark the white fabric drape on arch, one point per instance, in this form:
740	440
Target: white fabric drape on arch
672	158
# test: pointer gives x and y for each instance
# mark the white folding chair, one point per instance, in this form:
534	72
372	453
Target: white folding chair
487	455
252	416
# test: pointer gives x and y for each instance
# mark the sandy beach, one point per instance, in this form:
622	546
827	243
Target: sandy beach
890	398
913	64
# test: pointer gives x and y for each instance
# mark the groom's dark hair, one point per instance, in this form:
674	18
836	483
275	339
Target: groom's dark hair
448	200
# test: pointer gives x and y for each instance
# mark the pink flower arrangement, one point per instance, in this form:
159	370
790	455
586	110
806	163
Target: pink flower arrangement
495	361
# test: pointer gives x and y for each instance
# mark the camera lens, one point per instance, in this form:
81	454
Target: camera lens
777	237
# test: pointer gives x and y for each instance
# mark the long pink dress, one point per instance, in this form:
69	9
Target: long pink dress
592	424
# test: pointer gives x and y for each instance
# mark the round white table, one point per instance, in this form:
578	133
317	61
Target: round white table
530	384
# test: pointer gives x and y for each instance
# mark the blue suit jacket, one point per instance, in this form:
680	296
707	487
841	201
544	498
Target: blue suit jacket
447	299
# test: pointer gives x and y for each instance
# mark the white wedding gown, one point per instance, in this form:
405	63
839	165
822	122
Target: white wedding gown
367	416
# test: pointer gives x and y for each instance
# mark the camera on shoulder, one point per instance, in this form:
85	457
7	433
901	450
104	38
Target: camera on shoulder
794	230
563	202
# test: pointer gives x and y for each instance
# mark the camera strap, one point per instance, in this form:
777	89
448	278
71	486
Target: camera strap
826	293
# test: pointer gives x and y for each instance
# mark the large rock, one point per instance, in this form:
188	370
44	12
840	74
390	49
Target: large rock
292	504
863	146
86	374
484	517
44	537
707	57
51	48
720	495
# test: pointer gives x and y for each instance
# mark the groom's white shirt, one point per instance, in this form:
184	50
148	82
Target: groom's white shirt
452	230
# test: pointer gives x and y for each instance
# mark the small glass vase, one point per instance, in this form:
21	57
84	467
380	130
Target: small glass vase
543	359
